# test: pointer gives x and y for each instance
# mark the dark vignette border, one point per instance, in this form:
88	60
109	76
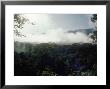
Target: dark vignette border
2	44
107	43
4	3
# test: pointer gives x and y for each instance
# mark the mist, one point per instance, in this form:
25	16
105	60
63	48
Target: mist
55	28
58	36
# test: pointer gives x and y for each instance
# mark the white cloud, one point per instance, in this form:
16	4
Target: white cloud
59	36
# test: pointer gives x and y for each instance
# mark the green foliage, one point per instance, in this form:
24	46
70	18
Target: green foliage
56	60
94	33
94	36
19	21
94	18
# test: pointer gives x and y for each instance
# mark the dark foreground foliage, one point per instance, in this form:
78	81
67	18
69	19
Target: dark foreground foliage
55	60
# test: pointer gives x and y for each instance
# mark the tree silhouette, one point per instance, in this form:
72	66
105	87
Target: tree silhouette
19	21
94	33
94	18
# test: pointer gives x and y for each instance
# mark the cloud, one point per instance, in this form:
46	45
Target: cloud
58	36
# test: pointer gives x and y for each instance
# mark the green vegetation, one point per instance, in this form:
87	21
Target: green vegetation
50	59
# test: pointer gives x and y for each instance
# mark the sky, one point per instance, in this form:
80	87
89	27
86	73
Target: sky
55	27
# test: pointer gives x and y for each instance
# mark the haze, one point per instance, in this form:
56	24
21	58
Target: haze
55	28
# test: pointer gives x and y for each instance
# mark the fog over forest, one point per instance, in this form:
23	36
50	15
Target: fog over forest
57	28
55	44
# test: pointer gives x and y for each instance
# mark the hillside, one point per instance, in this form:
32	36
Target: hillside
85	31
50	59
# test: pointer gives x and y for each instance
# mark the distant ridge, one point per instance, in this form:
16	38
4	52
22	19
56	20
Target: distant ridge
85	31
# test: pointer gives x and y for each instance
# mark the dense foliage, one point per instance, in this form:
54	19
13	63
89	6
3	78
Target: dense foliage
50	59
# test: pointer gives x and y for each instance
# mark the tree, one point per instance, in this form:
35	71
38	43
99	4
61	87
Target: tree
94	18
94	33
19	21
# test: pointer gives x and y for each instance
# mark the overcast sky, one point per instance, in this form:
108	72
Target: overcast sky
55	27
